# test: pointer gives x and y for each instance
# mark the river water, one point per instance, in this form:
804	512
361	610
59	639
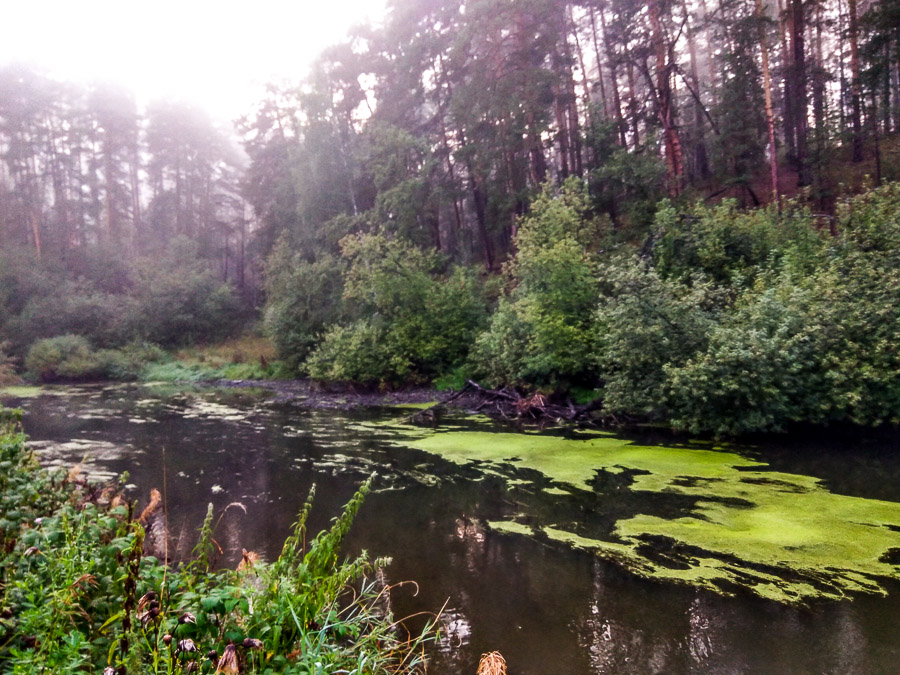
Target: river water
453	526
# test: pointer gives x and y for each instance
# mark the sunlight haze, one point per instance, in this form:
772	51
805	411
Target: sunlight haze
213	54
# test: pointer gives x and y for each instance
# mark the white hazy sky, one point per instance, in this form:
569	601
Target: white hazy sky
216	54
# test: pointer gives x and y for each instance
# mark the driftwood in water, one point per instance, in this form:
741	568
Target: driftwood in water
508	403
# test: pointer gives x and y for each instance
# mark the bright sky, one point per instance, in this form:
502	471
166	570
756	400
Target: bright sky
216	54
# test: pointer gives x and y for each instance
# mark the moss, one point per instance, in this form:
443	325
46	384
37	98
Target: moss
781	536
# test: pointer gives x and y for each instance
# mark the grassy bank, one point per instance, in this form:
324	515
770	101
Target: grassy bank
72	358
243	358
79	594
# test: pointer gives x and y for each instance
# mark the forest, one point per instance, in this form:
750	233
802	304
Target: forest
684	210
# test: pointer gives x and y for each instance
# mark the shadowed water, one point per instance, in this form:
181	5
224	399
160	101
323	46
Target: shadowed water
547	607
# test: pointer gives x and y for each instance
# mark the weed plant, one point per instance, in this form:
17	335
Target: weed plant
77	593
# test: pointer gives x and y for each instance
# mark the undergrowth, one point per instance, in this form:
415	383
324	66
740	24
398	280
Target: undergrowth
77	593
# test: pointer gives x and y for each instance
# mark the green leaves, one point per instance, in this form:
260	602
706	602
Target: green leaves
541	332
415	321
73	573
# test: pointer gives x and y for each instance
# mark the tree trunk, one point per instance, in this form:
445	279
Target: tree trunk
135	199
585	85
801	100
819	85
701	163
479	199
710	58
770	116
600	81
665	103
790	134
614	80
633	107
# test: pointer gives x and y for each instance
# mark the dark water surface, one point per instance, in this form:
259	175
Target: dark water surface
547	607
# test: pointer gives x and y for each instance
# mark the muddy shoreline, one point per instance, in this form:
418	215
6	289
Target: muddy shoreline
505	404
309	394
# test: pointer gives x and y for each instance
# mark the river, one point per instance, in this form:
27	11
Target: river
567	553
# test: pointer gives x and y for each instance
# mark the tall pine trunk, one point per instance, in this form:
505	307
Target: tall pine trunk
614	80
701	162
799	90
770	115
665	102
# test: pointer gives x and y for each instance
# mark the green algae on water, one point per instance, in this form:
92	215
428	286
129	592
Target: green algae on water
415	406
20	392
781	536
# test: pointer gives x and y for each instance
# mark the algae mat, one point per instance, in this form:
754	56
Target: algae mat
736	524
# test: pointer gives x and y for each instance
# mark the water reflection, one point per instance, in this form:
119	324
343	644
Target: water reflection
546	607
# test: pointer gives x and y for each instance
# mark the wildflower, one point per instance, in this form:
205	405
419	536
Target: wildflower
146	599
187	617
167	639
252	643
186	645
149	615
248	559
228	664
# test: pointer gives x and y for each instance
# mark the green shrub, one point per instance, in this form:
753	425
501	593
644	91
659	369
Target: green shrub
870	222
302	298
63	357
357	352
71	358
645	323
414	323
731	246
542	333
72	308
8	374
179	300
759	371
825	348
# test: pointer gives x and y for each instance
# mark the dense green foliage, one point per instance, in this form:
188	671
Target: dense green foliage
411	319
768	321
71	358
728	321
7	367
178	299
78	594
302	299
172	299
541	332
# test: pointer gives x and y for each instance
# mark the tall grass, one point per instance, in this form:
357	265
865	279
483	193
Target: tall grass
79	595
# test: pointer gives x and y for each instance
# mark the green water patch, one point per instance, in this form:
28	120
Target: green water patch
415	406
20	392
732	523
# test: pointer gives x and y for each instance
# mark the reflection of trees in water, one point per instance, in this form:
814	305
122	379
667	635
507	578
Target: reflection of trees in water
615	645
472	535
848	651
700	644
636	627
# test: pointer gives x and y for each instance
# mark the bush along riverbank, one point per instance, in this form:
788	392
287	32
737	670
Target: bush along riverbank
79	594
723	322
